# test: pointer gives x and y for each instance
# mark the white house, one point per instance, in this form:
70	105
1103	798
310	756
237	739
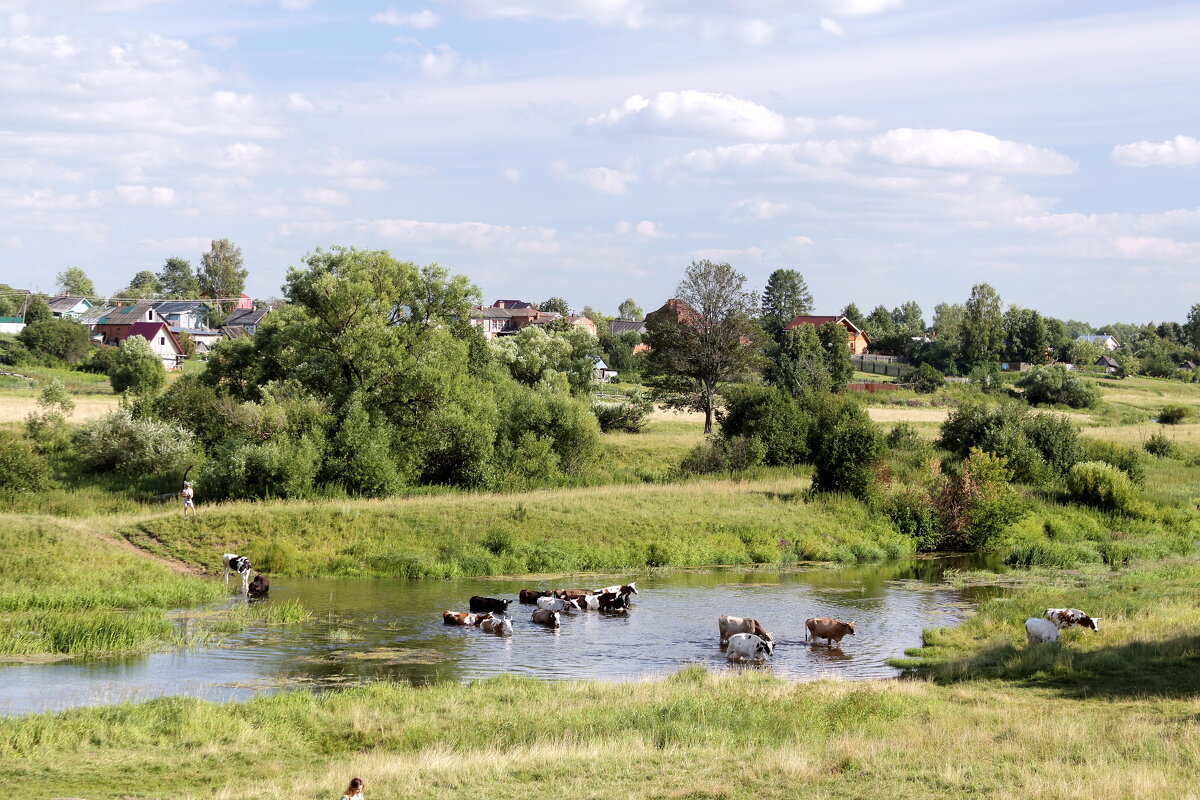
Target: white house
158	335
1103	339
69	307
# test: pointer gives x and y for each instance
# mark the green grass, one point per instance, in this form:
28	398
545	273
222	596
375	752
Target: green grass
596	529
693	735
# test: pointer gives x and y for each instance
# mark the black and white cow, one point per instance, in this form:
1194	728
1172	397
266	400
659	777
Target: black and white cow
240	565
748	647
478	603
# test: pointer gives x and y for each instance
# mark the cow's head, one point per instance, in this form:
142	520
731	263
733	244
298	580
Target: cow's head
630	589
850	628
1090	622
765	648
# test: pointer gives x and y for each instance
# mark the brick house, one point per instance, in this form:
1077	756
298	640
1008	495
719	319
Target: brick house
859	341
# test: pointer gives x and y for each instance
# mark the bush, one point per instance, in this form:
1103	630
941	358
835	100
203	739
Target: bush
719	454
1129	460
976	503
22	469
137	368
47	426
913	515
848	454
629	416
120	443
60	339
926	379
282	467
771	416
1160	446
360	458
986	377
1055	438
903	436
99	360
1173	414
1095	483
1055	384
1034	446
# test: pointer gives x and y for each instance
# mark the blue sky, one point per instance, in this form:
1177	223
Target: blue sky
888	149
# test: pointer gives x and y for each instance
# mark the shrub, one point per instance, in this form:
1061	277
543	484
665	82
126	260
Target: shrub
22	469
1101	485
926	379
137	368
60	339
99	360
848	454
771	416
1055	438
282	467
1173	414
47	426
913	515
903	436
629	415
360	459
719	454
986	377
130	446
1055	384
976	503
1129	460
1160	446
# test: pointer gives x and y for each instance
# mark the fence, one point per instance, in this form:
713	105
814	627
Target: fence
891	366
871	386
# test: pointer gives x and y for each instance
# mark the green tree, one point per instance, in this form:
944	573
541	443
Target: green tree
835	341
74	282
1026	336
908	319
556	304
137	369
9	303
1192	326
852	313
177	280
947	321
1085	354
222	273
710	338
850	449
144	286
62	339
37	309
880	325
785	297
982	327
799	364
630	310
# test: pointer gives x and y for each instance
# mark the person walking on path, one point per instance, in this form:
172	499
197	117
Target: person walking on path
188	496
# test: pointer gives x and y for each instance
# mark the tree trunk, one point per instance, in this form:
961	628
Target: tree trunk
708	412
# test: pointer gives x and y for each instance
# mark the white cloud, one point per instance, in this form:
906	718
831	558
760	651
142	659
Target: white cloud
964	149
511	174
1154	248
221	41
365	184
861	8
1181	151
693	113
832	26
296	101
296	5
239	155
481	236
179	244
443	61
604	180
763	209
324	196
49	200
418	20
645	229
147	195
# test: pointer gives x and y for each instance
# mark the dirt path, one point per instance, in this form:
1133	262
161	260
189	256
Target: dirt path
123	543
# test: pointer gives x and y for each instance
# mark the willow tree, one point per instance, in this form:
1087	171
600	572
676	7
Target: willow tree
704	337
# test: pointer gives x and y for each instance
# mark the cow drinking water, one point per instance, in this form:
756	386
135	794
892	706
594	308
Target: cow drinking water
731	625
748	647
240	565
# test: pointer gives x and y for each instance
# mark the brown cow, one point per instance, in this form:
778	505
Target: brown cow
831	630
529	597
571	594
458	618
730	625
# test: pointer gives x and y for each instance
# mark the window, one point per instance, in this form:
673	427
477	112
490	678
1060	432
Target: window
162	340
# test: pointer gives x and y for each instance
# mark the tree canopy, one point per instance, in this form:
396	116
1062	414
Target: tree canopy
177	280
556	304
222	273
785	297
630	310
74	281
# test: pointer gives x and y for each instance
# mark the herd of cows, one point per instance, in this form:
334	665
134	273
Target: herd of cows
743	638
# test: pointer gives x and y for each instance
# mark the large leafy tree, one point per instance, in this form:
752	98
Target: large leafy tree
852	313
144	286
1026	336
74	281
177	280
947	321
785	297
63	339
136	368
835	341
982	333
799	364
1192	326
222	272
707	338
630	310
556	304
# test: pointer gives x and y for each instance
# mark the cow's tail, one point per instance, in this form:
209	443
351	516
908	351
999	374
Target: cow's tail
807	630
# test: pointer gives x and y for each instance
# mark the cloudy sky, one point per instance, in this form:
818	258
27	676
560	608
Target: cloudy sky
888	149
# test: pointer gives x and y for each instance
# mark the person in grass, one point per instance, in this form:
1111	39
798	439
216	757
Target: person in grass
188	496
355	790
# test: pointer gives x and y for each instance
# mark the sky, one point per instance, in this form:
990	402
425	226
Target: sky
889	150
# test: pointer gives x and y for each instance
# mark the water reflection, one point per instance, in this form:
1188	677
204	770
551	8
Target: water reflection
371	630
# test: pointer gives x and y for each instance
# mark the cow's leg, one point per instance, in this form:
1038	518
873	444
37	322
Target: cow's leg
226	574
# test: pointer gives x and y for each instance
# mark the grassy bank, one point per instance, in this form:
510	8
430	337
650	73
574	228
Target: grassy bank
693	735
598	529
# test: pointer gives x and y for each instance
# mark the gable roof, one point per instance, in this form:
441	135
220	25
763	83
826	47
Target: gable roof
626	325
1107	361
246	316
818	321
149	330
233	331
67	303
177	306
124	314
1096	338
513	304
488	312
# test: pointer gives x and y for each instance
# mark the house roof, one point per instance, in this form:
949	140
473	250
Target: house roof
119	315
247	316
66	303
818	321
487	312
577	318
148	330
1095	338
1106	361
626	325
194	331
233	331
513	304
165	307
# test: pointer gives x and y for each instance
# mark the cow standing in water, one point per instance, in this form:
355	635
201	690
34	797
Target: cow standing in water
831	630
240	565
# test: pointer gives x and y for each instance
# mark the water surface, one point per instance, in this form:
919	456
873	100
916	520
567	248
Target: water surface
376	629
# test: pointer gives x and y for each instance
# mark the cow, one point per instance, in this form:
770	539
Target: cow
528	597
748	647
482	618
544	616
259	588
730	625
458	618
1069	617
572	594
1038	631
240	565
630	588
478	603
610	601
554	603
831	630
501	626
589	603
